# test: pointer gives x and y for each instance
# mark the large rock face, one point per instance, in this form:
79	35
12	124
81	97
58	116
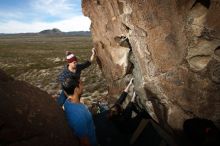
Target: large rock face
30	117
170	47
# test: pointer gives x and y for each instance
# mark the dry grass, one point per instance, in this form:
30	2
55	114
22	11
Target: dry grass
39	60
19	54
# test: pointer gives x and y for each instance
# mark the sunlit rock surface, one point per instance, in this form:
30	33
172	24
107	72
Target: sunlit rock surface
170	47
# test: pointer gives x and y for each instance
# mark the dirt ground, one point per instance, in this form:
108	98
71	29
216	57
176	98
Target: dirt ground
39	59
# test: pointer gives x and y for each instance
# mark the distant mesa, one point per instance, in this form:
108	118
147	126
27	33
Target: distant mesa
51	31
56	31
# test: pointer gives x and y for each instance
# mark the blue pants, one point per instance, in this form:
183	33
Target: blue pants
61	99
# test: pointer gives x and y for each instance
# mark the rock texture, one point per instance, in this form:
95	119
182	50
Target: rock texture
170	47
28	116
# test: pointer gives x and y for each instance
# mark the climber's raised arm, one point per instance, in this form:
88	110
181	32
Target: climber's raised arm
129	85
124	93
92	58
88	62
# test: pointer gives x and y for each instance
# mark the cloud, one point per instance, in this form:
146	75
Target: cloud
37	15
72	24
58	8
6	15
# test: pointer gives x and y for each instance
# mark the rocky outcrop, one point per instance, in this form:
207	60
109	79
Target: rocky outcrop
29	116
170	47
53	31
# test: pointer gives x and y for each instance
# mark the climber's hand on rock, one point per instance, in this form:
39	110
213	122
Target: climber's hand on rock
93	51
129	84
131	81
133	97
93	55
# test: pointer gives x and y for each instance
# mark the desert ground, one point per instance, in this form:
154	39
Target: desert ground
39	59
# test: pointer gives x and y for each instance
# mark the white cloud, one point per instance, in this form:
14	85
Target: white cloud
61	8
72	24
5	15
37	15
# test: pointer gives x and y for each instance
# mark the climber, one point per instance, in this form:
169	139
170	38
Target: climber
73	70
77	114
107	133
118	123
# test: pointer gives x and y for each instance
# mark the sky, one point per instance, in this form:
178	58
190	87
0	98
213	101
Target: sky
20	16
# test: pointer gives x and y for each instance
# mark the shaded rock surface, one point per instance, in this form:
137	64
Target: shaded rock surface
170	47
28	116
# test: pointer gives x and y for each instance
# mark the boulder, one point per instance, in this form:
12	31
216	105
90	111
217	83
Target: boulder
30	116
170	47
